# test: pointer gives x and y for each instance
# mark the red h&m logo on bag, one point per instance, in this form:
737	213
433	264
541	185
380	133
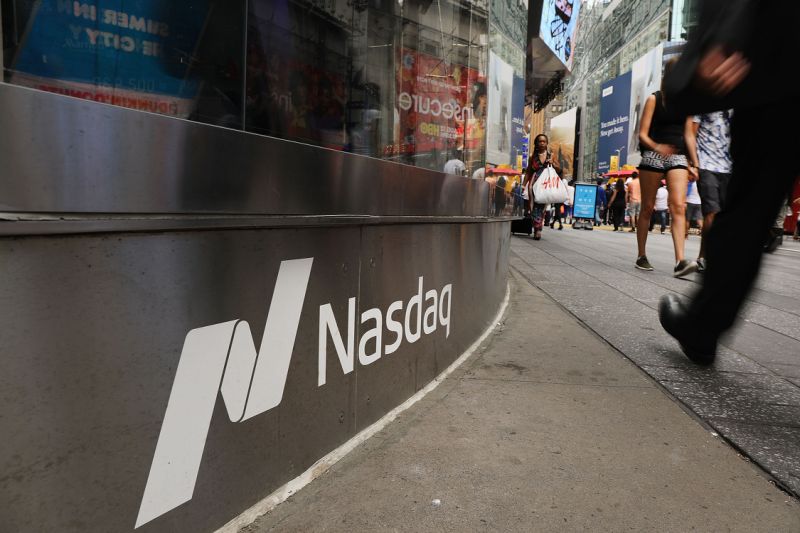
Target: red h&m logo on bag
551	182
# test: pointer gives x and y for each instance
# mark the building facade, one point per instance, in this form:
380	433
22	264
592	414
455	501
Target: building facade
612	36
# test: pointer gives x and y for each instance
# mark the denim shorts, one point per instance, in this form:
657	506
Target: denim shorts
662	163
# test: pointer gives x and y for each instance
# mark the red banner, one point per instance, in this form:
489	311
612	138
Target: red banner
435	104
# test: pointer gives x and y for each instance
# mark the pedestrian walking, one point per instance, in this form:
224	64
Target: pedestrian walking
607	218
500	195
728	64
568	205
796	211
540	159
455	165
633	195
693	204
516	192
599	203
713	155
558	216
617	204
666	137
660	208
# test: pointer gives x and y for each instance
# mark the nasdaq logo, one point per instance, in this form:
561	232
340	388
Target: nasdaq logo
222	358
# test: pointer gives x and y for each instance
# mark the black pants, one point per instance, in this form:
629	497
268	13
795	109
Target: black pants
758	187
661	216
557	215
618	216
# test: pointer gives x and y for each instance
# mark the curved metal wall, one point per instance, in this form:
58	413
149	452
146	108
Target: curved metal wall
66	155
166	368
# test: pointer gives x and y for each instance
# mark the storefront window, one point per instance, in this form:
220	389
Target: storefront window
402	80
182	59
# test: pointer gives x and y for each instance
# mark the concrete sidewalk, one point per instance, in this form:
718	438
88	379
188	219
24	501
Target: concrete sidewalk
545	428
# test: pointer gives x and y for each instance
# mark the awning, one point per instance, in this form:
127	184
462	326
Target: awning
618	173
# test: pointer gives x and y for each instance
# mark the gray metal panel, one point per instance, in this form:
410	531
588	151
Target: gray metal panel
393	258
92	330
66	155
26	224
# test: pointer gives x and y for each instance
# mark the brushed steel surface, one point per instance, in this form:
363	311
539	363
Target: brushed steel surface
24	224
66	155
92	329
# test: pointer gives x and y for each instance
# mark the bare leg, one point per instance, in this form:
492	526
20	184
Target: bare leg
677	183
649	181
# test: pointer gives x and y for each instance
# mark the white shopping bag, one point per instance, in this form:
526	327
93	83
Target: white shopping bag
549	189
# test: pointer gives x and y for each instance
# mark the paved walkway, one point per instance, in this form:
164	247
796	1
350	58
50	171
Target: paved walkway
545	428
751	395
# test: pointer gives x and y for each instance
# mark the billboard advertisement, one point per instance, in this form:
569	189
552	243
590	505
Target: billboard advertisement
615	105
557	28
498	123
435	103
562	140
118	55
518	143
645	80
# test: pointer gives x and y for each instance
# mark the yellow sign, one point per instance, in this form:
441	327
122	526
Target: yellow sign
614	163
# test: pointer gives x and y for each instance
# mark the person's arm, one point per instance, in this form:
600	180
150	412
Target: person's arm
555	166
644	130
528	174
690	136
613	196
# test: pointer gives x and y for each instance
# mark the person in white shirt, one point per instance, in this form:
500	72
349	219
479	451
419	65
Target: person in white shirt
570	202
693	211
455	166
660	209
713	156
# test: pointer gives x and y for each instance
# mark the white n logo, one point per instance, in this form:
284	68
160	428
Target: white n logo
222	357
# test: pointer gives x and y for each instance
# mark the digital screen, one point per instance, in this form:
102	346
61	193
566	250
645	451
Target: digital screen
585	195
557	30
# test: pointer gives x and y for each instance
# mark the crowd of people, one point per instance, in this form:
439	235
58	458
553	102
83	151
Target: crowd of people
706	157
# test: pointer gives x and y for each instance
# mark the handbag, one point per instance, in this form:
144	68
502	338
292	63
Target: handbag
549	189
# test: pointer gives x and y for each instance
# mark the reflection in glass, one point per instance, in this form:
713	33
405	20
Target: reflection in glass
403	81
175	58
399	80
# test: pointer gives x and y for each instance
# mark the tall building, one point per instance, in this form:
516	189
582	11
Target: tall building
612	35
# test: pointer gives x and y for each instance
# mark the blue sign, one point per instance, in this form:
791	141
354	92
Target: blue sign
525	151
615	105
518	146
114	45
585	195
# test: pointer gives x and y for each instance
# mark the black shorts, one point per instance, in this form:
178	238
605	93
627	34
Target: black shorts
713	188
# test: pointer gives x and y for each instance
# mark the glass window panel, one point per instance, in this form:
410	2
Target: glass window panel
399	80
182	59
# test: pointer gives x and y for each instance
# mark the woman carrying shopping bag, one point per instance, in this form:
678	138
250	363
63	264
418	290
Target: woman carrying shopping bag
541	163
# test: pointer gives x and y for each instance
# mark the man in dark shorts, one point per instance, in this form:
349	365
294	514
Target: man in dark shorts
713	133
